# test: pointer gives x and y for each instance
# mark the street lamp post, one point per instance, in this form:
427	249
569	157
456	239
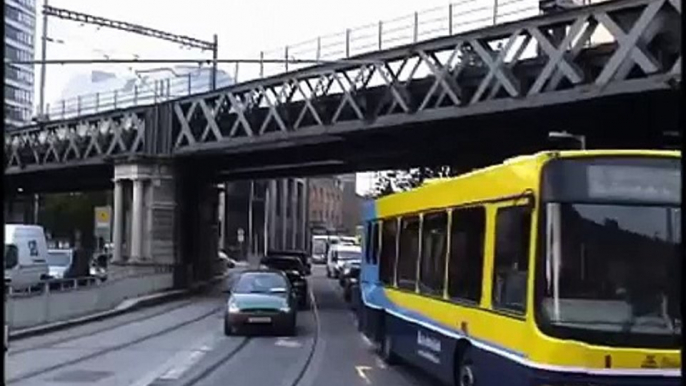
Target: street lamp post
565	135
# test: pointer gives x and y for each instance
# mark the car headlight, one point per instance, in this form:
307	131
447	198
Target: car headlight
347	270
294	272
285	309
233	307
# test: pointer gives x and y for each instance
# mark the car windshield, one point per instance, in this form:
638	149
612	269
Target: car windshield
349	255
59	258
613	269
259	282
282	264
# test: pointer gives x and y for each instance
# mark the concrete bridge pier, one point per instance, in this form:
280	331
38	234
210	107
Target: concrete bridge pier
144	217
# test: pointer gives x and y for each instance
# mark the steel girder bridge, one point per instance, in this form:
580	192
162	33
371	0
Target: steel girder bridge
617	49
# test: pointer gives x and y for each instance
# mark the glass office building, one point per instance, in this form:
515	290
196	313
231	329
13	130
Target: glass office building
20	27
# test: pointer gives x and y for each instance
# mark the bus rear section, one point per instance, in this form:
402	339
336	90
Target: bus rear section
576	284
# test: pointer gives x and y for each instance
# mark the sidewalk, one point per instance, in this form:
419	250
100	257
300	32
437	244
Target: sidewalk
123	307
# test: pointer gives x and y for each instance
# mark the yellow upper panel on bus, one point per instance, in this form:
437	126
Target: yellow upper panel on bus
513	177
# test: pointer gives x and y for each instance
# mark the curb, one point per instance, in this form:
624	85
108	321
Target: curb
123	307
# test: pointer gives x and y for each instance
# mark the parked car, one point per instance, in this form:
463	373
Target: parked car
59	262
26	253
294	270
340	256
303	256
261	298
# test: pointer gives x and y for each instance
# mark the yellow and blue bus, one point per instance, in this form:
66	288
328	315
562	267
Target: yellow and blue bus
559	268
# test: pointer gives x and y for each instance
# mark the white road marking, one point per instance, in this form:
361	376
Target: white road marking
178	370
366	340
182	360
288	343
380	363
360	372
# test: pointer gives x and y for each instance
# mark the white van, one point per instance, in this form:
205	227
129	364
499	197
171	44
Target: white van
26	252
341	255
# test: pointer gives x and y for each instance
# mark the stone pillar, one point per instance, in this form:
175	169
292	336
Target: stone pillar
118	222
294	213
284	213
138	221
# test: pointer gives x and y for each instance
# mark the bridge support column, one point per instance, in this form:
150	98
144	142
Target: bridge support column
118	226
137	220
151	243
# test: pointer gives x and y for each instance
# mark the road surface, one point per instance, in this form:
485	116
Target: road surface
182	343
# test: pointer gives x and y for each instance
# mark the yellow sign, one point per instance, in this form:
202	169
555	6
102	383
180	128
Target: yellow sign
102	216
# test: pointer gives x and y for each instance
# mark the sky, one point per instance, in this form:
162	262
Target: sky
244	29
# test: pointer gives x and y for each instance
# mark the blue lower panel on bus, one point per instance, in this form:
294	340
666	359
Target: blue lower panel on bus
434	352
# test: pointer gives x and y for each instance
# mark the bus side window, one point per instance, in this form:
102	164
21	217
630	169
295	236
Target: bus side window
511	260
408	253
389	239
465	267
375	244
372	243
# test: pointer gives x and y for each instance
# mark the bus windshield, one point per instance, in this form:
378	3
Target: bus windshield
611	274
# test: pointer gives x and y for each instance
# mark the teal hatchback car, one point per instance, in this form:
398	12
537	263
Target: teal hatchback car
261	299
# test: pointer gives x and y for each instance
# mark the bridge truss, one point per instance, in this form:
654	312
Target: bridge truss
612	48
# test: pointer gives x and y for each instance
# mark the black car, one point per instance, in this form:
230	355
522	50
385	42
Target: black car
350	277
301	255
261	298
294	270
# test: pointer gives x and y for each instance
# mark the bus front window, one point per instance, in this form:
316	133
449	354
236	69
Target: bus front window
611	274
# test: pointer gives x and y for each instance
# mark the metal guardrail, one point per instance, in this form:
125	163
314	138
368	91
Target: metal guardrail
457	17
54	285
73	284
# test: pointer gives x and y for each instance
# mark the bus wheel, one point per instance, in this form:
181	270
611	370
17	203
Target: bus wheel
387	353
464	374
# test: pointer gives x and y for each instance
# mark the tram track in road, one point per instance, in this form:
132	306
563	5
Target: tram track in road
107	350
232	354
65	339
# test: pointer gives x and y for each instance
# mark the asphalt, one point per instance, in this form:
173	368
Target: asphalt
181	343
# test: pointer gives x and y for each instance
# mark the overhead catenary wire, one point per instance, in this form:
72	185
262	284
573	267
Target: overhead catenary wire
191	61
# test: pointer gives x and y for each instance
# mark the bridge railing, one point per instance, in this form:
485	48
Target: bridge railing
457	17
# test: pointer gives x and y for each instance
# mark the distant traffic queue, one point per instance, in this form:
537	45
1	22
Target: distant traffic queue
559	268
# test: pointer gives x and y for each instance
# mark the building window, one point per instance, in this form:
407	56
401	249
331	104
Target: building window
17	54
20	16
408	253
511	261
389	238
14	33
17	114
433	250
17	94
18	74
465	268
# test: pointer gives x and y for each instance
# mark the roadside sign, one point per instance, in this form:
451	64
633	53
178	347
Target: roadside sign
102	216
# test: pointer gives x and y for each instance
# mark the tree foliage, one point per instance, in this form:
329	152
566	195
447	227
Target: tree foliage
65	213
403	180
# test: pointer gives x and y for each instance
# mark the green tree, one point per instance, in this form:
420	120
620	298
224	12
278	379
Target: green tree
65	213
407	179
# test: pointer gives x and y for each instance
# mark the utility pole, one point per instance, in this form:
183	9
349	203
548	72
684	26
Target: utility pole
43	54
127	27
215	45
